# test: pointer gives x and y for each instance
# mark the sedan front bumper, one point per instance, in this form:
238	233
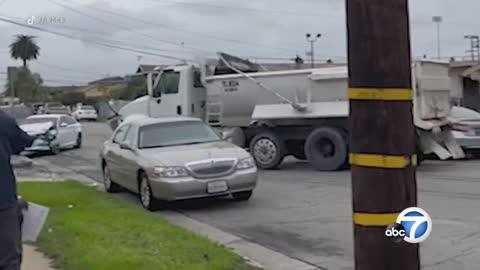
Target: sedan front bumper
39	145
191	188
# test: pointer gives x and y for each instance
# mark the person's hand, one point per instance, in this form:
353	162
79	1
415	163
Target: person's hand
23	204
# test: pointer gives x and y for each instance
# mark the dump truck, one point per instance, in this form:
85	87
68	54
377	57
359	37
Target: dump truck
302	113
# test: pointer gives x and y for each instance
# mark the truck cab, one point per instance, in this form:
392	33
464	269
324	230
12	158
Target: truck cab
174	91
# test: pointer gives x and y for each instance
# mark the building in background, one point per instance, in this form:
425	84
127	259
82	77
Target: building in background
465	76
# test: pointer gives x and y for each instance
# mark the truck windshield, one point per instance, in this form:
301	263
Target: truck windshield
168	84
178	133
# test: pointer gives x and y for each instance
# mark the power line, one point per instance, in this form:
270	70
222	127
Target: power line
206	35
112	46
132	30
286	12
51	66
90	31
249	9
63	81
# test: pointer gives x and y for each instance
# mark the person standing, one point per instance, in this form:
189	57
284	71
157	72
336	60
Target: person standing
13	140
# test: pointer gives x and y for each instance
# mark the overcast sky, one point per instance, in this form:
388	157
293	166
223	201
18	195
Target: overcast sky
195	29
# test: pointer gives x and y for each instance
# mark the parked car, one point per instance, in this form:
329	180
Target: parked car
170	159
85	113
54	131
58	110
466	128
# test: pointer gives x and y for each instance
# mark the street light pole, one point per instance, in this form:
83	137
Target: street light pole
474	46
438	20
312	40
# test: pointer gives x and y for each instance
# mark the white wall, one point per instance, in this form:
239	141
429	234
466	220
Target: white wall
457	82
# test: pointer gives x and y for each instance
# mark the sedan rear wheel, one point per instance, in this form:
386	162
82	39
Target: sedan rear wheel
78	144
147	198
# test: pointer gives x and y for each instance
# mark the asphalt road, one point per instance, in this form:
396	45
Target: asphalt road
307	215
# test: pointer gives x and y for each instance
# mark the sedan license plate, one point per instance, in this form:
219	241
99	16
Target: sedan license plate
217	187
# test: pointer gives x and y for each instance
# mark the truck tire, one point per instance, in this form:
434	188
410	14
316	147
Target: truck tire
326	149
268	150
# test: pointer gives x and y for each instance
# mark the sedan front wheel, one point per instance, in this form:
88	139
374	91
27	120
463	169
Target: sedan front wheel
147	198
110	186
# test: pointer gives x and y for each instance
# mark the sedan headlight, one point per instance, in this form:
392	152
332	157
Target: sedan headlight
246	163
52	134
170	172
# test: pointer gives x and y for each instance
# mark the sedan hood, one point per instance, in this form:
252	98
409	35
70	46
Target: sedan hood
182	154
37	128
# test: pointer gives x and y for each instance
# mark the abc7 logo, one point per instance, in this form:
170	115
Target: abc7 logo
413	225
395	232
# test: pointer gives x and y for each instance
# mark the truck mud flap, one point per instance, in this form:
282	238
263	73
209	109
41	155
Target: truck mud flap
431	143
452	145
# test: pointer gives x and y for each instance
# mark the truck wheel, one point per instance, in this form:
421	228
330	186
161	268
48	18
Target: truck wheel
326	149
267	150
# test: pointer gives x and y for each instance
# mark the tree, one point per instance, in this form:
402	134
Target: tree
135	88
28	86
72	98
24	47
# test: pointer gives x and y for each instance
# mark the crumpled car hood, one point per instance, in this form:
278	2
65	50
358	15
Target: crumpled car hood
37	128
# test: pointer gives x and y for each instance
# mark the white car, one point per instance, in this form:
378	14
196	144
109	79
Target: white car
54	132
85	113
466	129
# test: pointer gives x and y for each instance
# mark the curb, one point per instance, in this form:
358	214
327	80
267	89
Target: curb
21	162
255	255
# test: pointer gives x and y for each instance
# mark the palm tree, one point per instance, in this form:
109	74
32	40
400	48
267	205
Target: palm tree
25	48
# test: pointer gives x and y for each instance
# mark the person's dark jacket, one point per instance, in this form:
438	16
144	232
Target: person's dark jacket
13	140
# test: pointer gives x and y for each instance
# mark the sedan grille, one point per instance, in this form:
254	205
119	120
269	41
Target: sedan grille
212	167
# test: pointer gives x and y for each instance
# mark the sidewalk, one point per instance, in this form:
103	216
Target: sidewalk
34	260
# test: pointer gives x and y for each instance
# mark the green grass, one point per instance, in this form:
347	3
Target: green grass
101	232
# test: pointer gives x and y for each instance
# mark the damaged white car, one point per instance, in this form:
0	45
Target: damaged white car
53	132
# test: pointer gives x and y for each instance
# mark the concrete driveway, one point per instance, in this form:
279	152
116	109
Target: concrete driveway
307	215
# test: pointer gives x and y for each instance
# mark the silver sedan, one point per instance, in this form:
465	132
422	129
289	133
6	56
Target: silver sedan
169	159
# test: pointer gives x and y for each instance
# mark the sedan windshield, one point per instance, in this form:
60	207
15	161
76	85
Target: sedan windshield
461	113
179	133
88	108
38	120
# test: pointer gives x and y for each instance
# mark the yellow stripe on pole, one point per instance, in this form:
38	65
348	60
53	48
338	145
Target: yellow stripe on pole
374	219
388	94
381	161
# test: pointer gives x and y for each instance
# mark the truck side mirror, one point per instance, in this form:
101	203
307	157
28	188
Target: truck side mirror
150	84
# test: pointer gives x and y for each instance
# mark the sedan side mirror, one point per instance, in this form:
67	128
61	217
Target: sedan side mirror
63	125
125	146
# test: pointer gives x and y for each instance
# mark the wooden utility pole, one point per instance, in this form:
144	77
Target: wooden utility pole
382	131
